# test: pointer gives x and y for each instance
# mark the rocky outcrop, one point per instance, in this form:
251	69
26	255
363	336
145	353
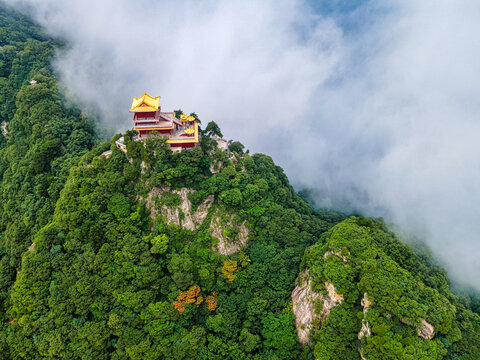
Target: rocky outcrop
365	303
231	237
365	331
338	253
216	166
331	300
3	125
426	331
219	229
304	299
333	296
143	167
107	153
221	143
182	214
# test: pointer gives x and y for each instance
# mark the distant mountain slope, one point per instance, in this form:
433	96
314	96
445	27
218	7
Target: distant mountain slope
385	309
40	139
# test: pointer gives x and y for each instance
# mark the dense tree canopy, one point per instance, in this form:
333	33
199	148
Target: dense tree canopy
365	260
40	140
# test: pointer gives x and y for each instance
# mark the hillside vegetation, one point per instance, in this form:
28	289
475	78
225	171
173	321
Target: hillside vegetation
39	141
146	254
395	306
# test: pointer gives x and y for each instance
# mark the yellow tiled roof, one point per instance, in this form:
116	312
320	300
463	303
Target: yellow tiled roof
145	103
187	140
185	117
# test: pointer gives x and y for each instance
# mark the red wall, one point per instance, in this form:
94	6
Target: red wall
144	115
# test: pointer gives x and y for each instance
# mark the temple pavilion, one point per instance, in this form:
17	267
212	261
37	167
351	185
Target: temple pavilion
148	119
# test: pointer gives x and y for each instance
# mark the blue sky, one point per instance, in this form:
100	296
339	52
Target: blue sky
351	16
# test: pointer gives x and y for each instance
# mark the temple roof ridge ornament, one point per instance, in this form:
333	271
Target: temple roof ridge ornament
185	117
145	103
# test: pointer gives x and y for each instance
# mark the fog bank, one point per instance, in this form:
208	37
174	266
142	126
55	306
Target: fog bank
374	106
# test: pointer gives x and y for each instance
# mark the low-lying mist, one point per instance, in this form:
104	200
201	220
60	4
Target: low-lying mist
375	107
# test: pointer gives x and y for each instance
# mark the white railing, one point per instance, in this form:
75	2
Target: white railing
153	126
146	119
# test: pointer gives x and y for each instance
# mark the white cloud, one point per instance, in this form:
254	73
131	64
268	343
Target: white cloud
381	114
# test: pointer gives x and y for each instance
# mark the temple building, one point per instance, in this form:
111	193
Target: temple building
148	119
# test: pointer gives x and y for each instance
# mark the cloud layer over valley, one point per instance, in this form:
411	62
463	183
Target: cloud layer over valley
375	106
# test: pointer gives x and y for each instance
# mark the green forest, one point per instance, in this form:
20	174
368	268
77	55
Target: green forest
149	254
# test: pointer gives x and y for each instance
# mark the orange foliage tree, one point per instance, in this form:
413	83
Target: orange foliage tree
211	301
191	296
